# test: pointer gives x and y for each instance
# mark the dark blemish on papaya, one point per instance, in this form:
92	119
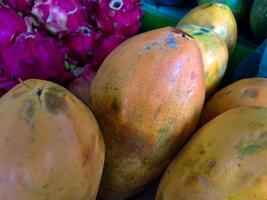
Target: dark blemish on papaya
171	41
205	30
249	93
39	92
193	177
55	102
150	46
211	164
263	135
31	139
115	106
207	5
30	110
7	139
60	189
198	33
202	152
228	92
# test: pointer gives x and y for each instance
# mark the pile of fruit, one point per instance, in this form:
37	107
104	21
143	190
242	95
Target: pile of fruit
61	40
140	115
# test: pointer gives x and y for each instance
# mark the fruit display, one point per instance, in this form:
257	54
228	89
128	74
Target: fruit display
258	19
246	92
147	97
133	100
226	159
47	152
55	40
239	8
217	17
214	54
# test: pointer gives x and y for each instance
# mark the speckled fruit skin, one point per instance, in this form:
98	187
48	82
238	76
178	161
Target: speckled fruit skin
246	92
147	97
50	145
214	54
217	17
225	160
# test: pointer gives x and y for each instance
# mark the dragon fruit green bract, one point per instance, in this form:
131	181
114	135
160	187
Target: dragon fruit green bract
11	24
33	56
60	16
118	16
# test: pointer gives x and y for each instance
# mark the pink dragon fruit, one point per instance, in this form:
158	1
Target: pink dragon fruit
11	24
107	45
118	17
24	6
33	56
5	83
80	86
60	16
81	44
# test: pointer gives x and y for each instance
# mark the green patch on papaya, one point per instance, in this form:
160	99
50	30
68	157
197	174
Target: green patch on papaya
250	148
55	89
55	102
165	132
30	110
249	93
115	106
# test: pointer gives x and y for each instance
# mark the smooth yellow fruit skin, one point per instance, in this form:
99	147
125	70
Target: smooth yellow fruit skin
225	160
214	54
217	17
51	147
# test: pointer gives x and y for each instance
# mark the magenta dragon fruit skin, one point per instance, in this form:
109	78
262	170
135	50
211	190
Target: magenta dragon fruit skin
118	17
81	44
80	86
107	45
33	56
11	24
24	6
5	83
60	16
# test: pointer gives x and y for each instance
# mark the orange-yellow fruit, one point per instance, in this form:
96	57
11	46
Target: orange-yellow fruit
50	145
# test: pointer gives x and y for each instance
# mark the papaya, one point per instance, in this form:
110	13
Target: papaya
224	160
217	17
214	54
258	19
147	97
239	7
51	146
245	92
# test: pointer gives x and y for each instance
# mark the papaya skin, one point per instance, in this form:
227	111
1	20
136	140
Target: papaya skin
51	145
147	97
214	54
224	160
217	17
245	92
239	8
